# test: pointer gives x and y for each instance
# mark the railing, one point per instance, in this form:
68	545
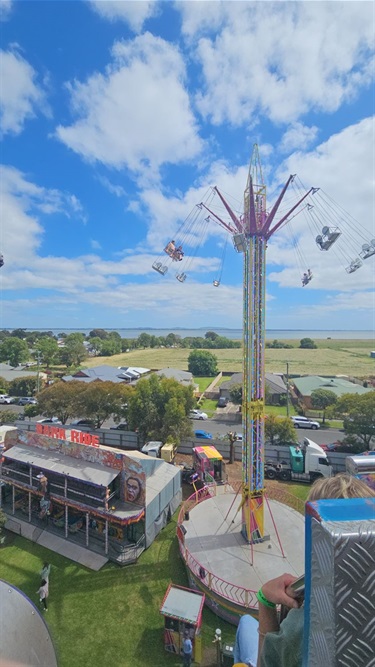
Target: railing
238	595
130	554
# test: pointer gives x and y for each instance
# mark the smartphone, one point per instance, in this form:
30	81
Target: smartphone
297	588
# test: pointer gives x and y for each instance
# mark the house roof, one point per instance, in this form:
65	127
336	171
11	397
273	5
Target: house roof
274	382
181	376
307	384
86	471
9	373
104	373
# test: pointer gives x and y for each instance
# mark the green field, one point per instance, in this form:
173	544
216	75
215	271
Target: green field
333	357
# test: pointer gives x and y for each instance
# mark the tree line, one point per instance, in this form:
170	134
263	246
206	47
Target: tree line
19	346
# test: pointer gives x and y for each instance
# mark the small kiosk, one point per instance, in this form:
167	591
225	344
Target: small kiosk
182	610
209	464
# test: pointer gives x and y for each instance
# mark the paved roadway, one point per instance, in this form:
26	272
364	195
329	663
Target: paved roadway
221	428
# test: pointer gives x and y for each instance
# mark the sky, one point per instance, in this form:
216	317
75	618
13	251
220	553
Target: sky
117	120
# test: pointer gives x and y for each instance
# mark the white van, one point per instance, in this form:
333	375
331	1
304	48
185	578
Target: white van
152	448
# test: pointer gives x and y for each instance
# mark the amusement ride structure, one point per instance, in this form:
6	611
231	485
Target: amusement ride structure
250	232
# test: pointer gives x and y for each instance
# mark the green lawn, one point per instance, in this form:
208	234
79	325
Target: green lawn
203	382
110	617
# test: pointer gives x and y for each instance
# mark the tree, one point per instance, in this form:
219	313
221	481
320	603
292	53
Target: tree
14	350
73	353
4	386
99	333
8	417
359	418
144	340
48	350
211	335
279	430
235	394
110	347
19	333
31	411
24	386
321	399
203	363
159	407
232	440
60	400
101	400
307	344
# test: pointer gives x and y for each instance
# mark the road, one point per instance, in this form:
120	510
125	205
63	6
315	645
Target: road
218	427
221	428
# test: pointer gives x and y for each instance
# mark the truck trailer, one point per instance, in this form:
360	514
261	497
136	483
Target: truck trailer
302	463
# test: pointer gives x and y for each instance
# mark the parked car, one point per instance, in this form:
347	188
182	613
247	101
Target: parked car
27	400
50	420
197	414
304	422
203	434
83	422
6	400
120	427
222	402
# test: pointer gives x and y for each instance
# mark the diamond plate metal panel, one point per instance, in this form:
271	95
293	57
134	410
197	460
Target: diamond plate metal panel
342	600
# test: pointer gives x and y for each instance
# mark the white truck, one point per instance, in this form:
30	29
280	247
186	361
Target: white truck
302	463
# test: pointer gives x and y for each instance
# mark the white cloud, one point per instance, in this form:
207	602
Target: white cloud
280	60
298	135
22	204
133	12
5	9
137	114
21	97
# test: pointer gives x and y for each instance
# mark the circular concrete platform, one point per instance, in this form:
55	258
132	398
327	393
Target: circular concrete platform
224	566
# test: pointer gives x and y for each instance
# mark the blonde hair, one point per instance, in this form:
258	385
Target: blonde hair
340	486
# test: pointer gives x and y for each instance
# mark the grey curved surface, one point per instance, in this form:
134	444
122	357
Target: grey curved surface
24	636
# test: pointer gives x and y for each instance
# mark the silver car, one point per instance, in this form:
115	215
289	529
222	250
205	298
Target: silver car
304	422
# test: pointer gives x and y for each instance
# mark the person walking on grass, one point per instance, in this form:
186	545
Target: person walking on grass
43	594
45	571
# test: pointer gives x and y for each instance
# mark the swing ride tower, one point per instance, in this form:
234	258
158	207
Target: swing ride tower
250	234
236	540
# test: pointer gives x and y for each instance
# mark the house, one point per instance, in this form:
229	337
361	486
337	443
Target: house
183	377
275	386
9	373
106	373
304	386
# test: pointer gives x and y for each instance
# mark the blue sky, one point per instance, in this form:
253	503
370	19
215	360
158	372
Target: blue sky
118	117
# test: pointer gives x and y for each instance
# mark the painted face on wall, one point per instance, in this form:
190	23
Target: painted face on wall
133	489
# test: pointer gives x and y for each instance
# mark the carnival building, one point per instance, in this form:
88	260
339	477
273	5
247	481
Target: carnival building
100	498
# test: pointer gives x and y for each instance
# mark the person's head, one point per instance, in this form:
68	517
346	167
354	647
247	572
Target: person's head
133	489
43	582
342	485
45	566
186	634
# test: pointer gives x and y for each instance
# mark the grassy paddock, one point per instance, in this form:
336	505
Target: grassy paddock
110	617
333	357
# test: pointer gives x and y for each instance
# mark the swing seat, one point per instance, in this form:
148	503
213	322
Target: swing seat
239	242
216	283
181	277
368	250
328	237
354	265
158	266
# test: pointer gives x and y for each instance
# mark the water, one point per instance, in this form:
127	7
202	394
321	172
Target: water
233	334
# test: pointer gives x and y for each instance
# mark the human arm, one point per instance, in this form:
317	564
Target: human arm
274	591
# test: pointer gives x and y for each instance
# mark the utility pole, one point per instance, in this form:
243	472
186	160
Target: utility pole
287	388
37	374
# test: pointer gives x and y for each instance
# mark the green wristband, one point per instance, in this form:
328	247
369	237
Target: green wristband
263	600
